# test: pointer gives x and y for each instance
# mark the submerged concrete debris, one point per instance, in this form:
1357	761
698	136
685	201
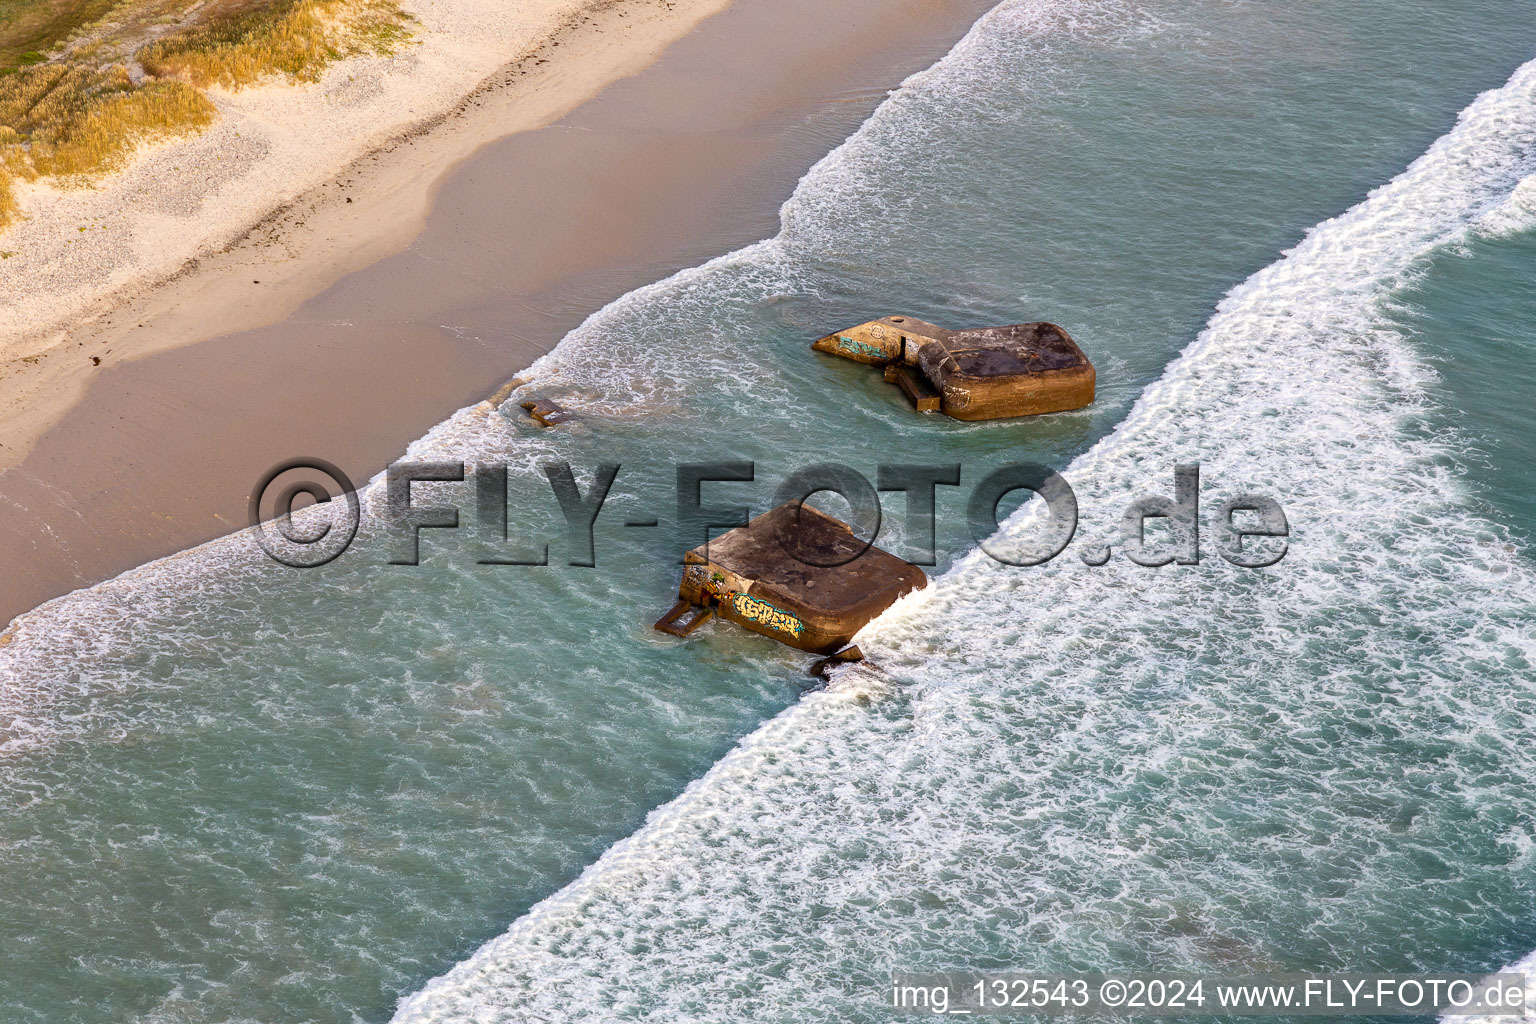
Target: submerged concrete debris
982	373
794	574
546	412
847	656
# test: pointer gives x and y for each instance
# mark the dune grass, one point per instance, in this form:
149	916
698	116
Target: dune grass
58	121
70	110
241	44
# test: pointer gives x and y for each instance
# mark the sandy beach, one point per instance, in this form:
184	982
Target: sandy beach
331	329
251	193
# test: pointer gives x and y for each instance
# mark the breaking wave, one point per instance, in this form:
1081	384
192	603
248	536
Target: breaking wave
1324	764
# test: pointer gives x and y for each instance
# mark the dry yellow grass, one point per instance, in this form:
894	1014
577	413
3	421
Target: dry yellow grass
58	121
292	38
66	118
99	135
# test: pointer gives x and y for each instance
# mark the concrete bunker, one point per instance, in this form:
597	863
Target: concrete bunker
980	373
794	574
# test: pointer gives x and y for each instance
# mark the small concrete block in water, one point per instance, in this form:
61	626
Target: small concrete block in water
547	413
846	656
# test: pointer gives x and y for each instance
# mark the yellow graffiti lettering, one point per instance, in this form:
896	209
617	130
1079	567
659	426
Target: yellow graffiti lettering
765	614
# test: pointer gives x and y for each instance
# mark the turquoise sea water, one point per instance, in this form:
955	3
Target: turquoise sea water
235	792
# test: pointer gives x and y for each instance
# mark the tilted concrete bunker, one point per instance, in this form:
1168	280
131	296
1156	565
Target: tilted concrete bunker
795	574
981	373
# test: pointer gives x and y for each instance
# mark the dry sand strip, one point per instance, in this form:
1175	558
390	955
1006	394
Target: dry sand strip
295	186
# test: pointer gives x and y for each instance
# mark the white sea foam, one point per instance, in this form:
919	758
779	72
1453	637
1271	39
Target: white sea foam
1525	966
1198	767
1516	214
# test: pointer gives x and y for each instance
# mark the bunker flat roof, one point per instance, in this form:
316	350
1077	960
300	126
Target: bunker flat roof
1014	349
766	550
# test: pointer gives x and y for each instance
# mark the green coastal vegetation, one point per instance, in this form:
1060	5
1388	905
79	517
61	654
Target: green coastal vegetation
84	82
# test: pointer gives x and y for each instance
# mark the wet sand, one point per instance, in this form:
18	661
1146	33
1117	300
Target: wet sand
684	161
